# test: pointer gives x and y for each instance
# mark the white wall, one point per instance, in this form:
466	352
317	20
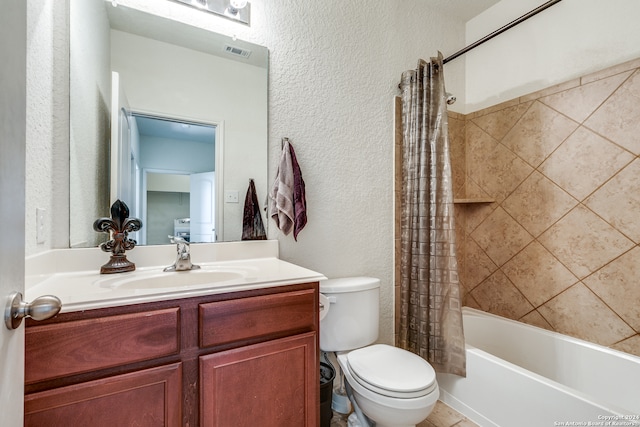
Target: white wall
568	40
175	154
335	67
168	182
47	150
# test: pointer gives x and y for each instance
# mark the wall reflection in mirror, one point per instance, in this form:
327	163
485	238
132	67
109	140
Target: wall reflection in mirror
168	117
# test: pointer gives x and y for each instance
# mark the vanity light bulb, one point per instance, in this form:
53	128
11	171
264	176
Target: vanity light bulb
238	4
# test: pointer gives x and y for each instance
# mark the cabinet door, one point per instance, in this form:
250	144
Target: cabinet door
271	384
151	397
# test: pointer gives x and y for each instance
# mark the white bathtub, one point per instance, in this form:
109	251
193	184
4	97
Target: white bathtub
520	375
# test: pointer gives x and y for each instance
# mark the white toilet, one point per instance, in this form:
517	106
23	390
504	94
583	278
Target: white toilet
389	385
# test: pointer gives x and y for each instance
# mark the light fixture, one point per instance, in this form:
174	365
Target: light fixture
235	6
237	10
238	4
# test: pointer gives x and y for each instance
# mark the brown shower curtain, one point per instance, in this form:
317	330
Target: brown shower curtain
430	317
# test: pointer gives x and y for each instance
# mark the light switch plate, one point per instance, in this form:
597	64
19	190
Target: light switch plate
40	231
231	196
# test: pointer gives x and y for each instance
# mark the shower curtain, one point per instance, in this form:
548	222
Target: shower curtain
431	317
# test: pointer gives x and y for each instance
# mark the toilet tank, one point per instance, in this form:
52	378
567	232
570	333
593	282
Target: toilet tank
352	318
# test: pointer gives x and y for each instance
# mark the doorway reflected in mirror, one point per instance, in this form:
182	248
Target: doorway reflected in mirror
172	173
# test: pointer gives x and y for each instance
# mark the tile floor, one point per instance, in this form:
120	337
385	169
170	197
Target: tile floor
442	416
445	416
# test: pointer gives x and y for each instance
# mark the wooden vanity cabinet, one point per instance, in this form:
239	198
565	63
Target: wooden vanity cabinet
238	359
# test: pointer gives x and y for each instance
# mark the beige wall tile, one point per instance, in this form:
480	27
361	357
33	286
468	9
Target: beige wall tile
630	345
454	115
476	213
535	319
551	90
584	162
617	285
500	236
494	168
540	131
619	117
498	123
580	313
583	242
580	102
620	208
499	296
538	274
470	301
478	265
538	203
616	69
458	152
493	108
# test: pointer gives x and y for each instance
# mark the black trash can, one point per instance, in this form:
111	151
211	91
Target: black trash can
327	374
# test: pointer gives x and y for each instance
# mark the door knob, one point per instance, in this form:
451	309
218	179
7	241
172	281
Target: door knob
41	308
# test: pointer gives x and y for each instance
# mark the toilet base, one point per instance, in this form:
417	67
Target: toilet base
369	414
385	411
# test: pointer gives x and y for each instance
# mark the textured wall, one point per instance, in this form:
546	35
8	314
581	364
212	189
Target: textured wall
559	246
335	67
47	151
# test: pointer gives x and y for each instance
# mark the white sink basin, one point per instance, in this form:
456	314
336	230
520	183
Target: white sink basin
177	279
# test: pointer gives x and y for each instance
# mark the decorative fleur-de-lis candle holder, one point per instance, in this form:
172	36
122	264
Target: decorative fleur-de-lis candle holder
119	226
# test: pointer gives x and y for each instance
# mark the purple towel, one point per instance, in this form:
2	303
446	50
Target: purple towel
299	198
252	226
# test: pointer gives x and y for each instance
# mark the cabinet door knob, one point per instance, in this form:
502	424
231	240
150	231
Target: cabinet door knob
41	308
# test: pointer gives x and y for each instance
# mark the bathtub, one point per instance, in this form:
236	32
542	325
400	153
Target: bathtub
521	375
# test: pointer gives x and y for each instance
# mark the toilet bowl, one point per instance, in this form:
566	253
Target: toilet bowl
389	386
392	387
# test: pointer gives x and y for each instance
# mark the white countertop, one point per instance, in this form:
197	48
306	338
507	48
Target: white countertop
84	289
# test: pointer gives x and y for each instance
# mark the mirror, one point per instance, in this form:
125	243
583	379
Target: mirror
137	135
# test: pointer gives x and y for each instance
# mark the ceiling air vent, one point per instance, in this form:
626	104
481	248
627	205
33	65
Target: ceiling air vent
234	50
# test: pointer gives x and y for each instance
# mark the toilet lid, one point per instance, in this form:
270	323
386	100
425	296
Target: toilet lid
391	371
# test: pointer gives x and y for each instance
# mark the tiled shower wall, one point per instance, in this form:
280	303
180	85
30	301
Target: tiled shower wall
559	245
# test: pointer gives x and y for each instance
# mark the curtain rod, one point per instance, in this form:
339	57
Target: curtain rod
501	30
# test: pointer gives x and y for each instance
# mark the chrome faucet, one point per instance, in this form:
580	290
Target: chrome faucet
183	260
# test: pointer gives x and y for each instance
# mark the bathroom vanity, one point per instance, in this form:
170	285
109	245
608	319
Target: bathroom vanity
213	357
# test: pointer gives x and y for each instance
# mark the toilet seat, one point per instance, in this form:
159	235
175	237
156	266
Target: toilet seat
391	371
